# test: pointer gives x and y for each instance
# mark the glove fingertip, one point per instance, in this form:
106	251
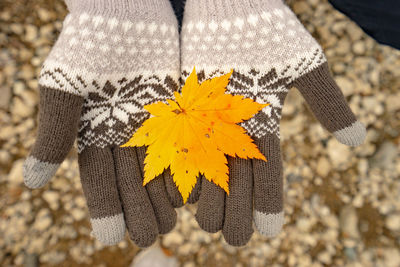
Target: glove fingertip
237	238
168	223
37	173
210	225
269	225
353	135
109	230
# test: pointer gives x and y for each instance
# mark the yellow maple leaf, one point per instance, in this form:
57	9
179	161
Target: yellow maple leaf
192	134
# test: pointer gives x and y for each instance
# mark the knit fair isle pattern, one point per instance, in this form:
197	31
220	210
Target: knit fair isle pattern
113	63
268	51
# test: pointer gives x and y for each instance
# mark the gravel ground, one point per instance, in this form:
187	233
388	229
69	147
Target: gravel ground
342	204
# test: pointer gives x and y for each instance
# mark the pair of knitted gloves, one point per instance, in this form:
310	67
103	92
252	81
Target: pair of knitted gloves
115	56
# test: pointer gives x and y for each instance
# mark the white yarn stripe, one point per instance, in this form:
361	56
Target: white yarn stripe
151	27
240	21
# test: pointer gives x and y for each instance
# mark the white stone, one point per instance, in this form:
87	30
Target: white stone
331	221
349	222
392	222
42	221
338	68
200	237
339	154
52	198
15	176
78	214
67	231
187	249
36	245
323	166
5	157
18	87
354	32
31	32
345	84
359	48
300	7
189	264
392	102
386	207
325	257
53	257
122	245
16	28
5	92
173	239
27	72
392	257
362	166
80	202
342	47
20	108
358	201
385	156
349	243
44	14
154	257
304	224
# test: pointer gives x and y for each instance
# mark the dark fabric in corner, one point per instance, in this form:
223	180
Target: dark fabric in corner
179	6
379	19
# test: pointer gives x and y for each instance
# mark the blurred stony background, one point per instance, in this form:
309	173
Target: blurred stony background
342	204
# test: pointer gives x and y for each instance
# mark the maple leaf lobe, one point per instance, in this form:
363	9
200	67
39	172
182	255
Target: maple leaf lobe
192	134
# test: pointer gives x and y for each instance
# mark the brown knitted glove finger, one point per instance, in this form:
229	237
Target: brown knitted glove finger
195	194
238	223
268	192
173	194
59	114
163	209
99	184
211	207
327	102
138	211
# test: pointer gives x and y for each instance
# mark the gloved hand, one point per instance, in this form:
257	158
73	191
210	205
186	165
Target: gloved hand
111	58
270	51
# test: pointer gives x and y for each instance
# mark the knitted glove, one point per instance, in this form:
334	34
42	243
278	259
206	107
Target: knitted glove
270	51
112	58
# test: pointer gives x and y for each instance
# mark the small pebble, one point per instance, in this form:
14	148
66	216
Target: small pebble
392	222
